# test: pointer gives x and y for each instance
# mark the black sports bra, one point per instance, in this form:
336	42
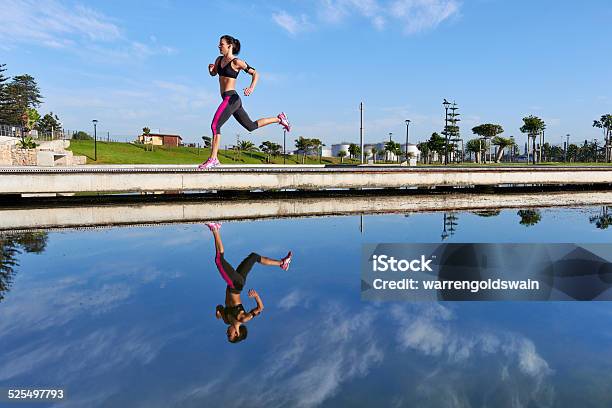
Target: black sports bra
227	70
234	311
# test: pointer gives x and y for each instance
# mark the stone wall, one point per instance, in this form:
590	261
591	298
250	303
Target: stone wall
23	157
11	155
5	155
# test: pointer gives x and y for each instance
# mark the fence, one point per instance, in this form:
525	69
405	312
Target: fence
18	131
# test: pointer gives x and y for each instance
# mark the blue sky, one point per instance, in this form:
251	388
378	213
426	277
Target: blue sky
131	66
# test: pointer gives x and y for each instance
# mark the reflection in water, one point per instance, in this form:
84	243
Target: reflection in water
10	245
487	213
603	220
120	325
450	222
233	314
529	217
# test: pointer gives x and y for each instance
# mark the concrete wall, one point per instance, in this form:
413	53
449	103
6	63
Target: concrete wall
207	210
186	178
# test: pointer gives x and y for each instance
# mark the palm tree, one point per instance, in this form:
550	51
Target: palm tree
603	220
341	155
267	147
501	143
424	149
474	146
302	144
145	137
374	152
605	123
316	145
532	125
354	150
487	131
391	147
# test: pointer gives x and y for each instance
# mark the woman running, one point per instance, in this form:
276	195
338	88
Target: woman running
228	67
233	314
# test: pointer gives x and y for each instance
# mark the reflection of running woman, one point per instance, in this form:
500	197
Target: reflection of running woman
233	314
228	67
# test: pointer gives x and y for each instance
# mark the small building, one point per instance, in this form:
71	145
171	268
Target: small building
158	139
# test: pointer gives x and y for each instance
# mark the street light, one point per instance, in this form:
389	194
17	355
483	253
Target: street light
95	122
284	150
407	124
566	146
446	106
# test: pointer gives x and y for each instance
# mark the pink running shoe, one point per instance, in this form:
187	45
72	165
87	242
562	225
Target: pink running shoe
213	226
284	122
209	164
286	261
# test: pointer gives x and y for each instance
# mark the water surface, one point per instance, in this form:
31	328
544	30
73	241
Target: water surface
125	317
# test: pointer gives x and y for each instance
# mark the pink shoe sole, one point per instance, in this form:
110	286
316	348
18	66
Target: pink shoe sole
209	164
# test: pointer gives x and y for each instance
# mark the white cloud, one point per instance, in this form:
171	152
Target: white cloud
79	29
49	22
291	24
412	15
291	300
430	332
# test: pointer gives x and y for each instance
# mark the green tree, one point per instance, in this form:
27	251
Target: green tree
532	126
474	146
603	220
392	147
80	135
316	145
31	118
374	153
302	144
354	150
605	123
529	217
247	146
572	152
3	95
267	147
341	155
19	95
10	247
487	131
424	149
49	123
501	143
437	144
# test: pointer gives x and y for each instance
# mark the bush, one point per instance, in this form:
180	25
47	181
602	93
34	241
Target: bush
80	135
27	143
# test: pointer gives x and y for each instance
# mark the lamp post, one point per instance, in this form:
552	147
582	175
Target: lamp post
446	106
566	146
95	122
407	124
284	150
390	140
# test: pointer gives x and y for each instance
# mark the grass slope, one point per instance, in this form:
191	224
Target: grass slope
127	153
